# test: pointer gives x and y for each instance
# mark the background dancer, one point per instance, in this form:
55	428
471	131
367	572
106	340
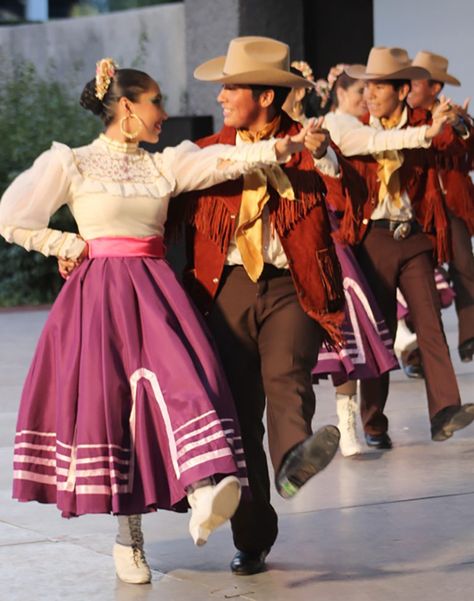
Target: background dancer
454	165
402	222
367	352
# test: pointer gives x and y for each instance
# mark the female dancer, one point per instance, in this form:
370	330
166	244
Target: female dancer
125	408
368	350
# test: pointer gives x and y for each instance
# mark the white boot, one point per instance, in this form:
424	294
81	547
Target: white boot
405	340
347	409
130	561
212	506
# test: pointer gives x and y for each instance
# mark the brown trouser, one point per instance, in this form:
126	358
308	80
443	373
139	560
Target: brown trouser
268	346
461	270
388	263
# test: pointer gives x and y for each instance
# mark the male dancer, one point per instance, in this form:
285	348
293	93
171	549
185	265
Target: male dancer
453	165
403	218
264	271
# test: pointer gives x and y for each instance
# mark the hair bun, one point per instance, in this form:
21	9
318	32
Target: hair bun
89	100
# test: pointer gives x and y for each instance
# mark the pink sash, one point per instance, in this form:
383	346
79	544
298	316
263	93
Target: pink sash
126	246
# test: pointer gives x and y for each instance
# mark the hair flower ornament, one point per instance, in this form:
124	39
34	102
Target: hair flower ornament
324	86
104	72
304	69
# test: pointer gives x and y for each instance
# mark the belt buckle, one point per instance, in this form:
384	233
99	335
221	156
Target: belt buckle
402	231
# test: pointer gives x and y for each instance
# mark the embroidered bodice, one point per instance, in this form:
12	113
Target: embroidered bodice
114	189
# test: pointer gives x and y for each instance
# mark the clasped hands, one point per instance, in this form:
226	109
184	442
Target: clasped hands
312	137
454	114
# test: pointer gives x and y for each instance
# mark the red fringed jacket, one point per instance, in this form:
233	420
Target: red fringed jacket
453	156
302	226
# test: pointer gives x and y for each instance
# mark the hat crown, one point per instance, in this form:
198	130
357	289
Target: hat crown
431	61
252	53
387	60
437	66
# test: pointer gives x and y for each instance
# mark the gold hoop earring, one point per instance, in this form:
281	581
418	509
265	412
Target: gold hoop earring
132	135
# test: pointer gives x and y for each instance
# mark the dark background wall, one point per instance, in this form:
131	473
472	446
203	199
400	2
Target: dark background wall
336	31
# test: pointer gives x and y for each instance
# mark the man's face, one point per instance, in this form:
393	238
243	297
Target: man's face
423	94
382	98
239	107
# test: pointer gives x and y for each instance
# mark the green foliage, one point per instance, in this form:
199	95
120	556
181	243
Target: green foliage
34	111
127	4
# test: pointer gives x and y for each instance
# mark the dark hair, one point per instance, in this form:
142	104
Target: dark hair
281	94
432	82
396	83
126	82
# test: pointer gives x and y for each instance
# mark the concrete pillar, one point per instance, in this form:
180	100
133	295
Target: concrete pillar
211	24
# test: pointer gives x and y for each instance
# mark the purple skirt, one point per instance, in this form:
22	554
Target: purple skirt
367	352
125	403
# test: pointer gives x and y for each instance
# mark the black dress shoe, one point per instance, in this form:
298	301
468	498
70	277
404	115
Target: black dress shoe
378	441
414	371
466	350
450	419
245	563
412	364
306	459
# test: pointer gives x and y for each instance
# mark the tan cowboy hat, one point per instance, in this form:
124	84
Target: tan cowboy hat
252	60
387	63
437	65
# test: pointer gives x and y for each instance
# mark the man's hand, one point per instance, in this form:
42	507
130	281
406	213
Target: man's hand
67	266
312	137
317	139
440	116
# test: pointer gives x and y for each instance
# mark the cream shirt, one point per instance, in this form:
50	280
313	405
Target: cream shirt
273	252
114	189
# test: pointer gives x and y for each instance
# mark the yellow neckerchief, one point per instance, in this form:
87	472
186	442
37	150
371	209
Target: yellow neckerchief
249	231
389	162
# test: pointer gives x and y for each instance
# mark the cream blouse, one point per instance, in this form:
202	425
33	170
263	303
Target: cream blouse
114	189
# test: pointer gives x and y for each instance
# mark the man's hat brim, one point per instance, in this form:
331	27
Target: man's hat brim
360	72
212	71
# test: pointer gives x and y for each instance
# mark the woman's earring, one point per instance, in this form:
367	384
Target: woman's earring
130	135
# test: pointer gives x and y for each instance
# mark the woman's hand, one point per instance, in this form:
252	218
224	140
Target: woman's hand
67	266
312	137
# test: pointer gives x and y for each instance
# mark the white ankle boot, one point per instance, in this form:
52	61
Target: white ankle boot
211	506
405	340
347	409
131	565
130	561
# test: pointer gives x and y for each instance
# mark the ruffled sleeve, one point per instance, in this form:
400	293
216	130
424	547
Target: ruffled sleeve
30	201
189	167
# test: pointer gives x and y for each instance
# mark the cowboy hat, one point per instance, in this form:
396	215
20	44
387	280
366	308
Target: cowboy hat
387	63
252	60
437	65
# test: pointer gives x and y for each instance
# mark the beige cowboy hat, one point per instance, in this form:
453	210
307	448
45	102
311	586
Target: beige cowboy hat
437	65
252	60
387	63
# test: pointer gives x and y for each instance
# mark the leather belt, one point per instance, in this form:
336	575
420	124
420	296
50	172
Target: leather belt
400	229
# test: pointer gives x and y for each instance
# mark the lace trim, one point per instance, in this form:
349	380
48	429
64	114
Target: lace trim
117	167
